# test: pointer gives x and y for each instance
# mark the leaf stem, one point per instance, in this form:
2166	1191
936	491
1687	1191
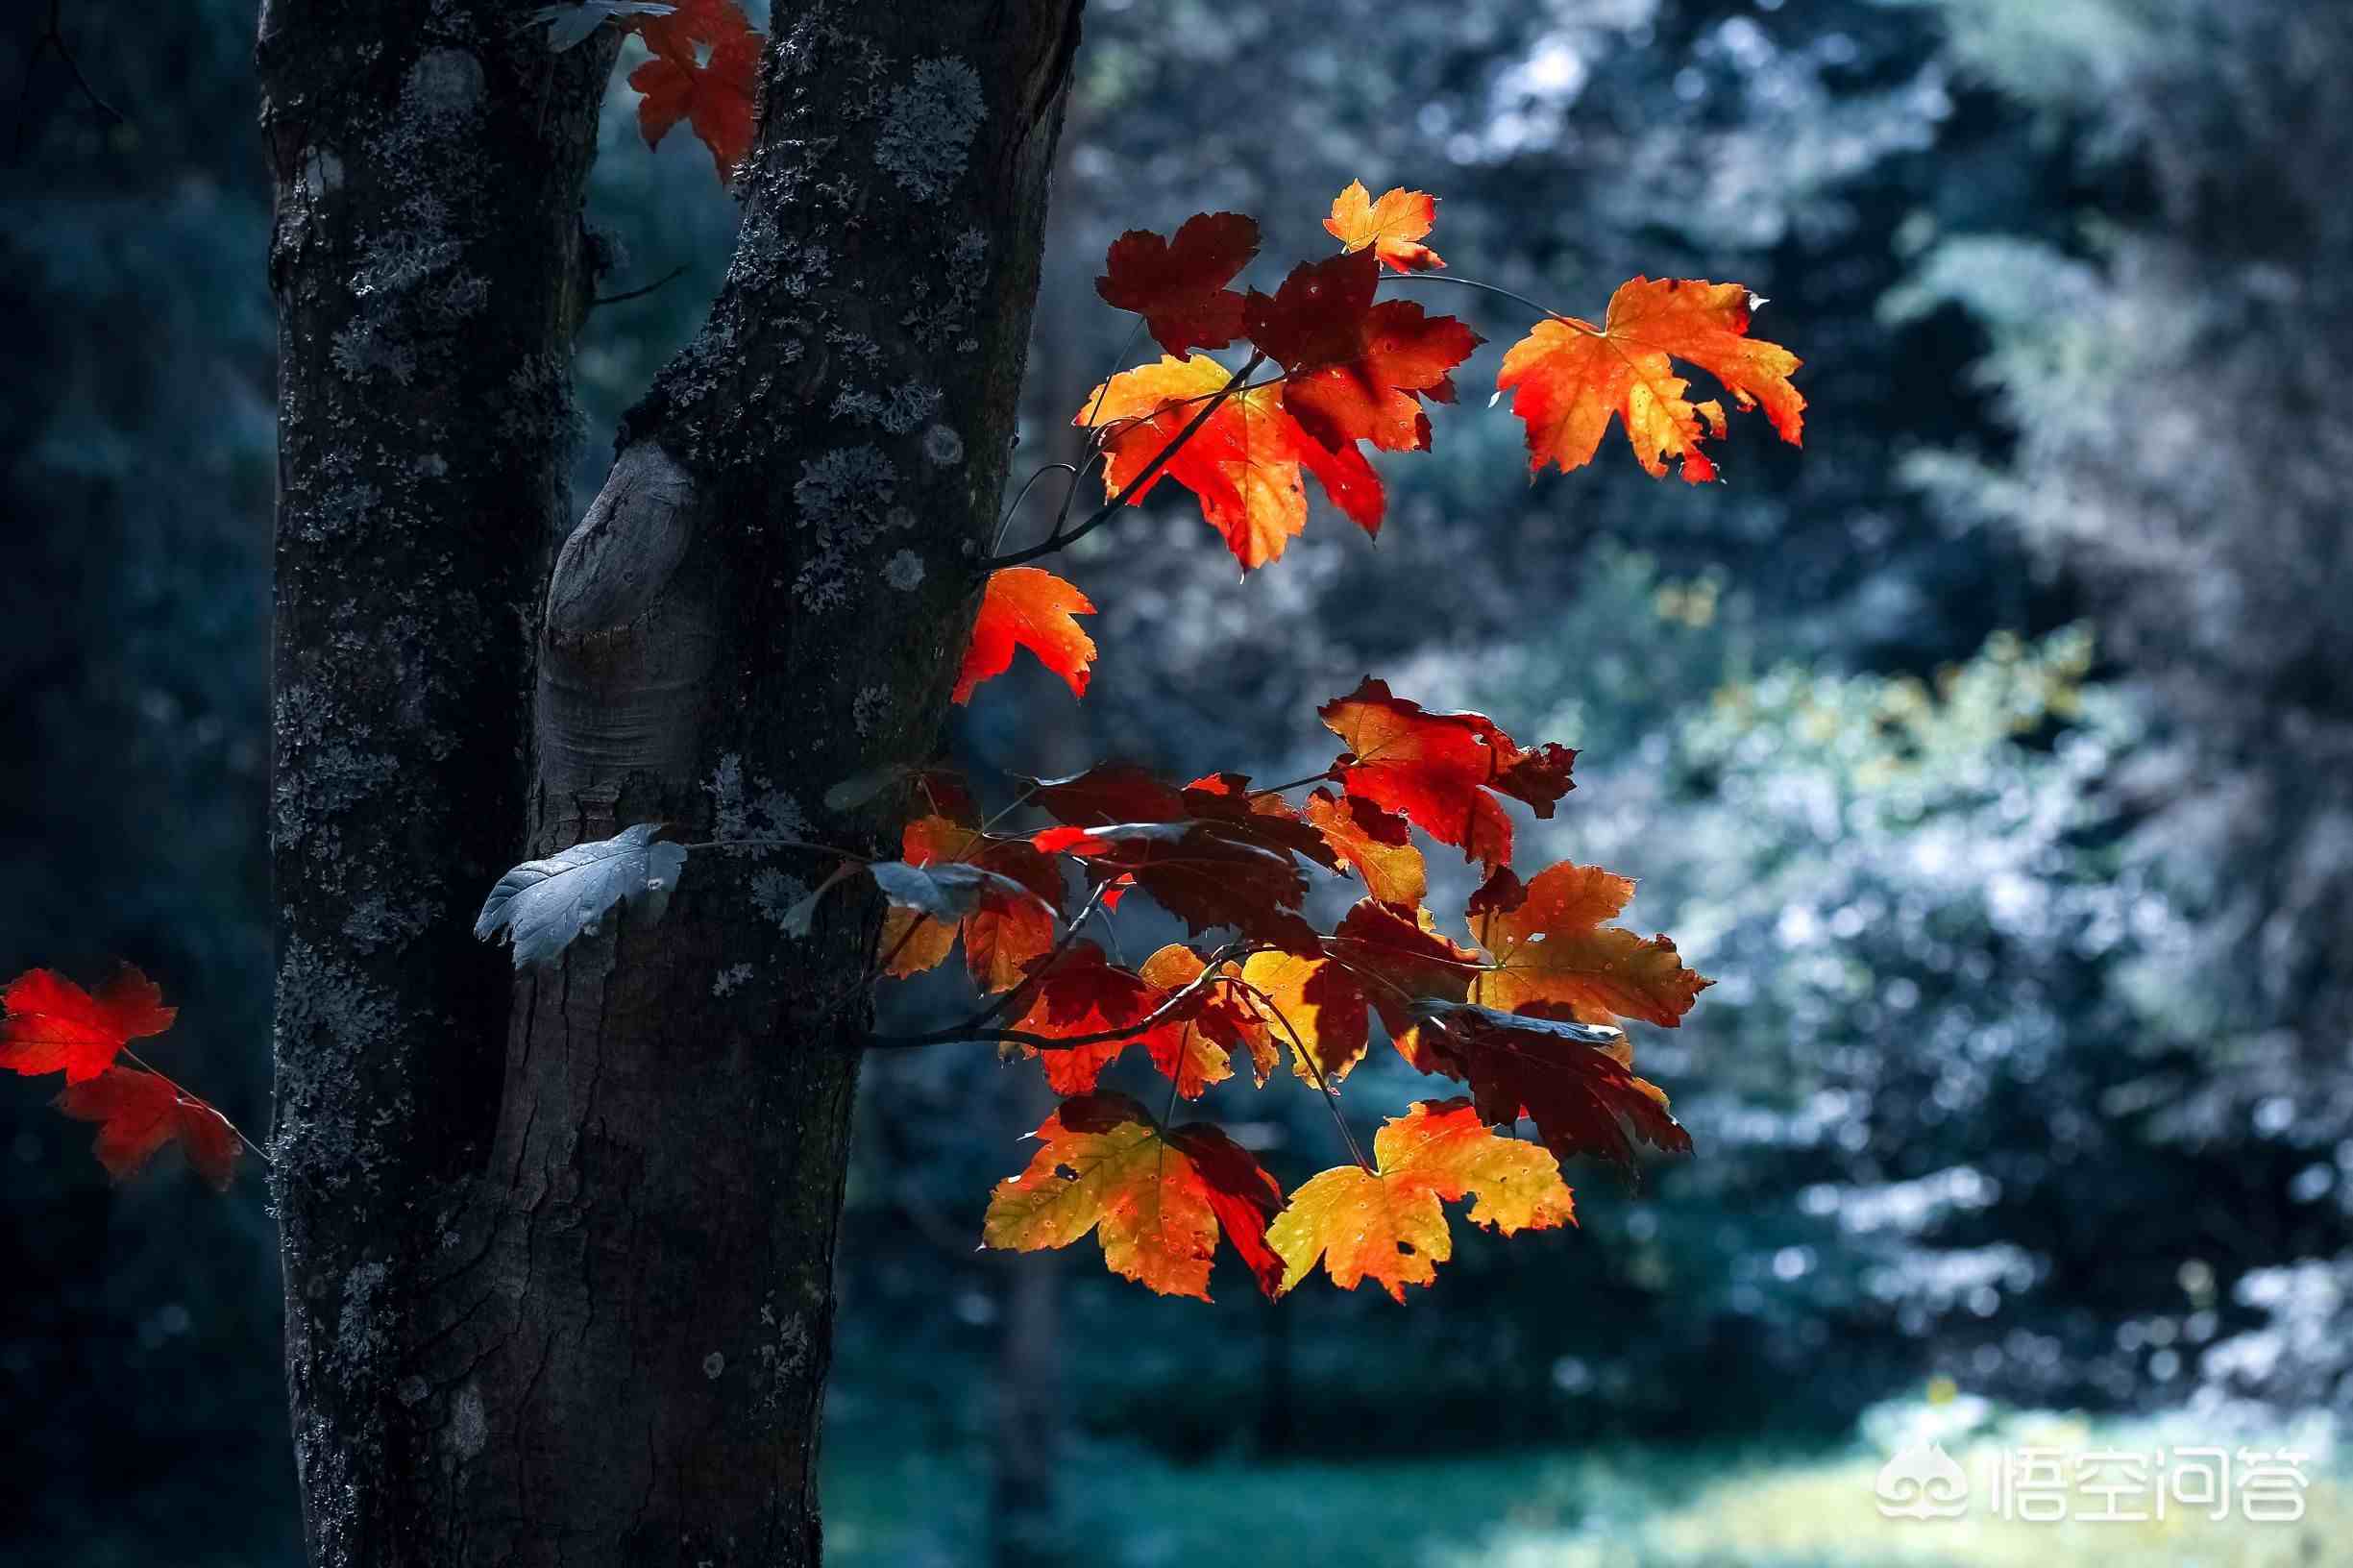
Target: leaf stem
1315	1069
1545	310
146	1065
974	1028
1277	789
1061	538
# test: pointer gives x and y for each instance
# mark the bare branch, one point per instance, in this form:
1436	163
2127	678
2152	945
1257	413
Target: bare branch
53	39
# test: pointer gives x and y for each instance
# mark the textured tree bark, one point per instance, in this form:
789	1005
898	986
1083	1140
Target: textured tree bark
429	163
581	1314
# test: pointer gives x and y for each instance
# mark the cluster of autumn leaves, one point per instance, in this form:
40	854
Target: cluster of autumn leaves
1351	371
1524	1016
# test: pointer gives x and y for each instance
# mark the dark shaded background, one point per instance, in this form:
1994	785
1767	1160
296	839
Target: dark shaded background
1992	752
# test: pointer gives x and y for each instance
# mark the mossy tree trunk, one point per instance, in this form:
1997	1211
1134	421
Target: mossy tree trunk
559	1247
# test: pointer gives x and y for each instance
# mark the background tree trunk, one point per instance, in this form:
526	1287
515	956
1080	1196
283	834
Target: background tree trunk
586	1318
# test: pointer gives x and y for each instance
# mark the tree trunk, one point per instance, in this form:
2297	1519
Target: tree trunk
585	1318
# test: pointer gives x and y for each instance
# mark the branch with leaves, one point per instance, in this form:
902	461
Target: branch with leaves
1520	999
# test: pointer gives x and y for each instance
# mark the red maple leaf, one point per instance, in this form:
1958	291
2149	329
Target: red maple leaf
138	1113
1179	285
54	1025
1442	771
705	71
1356	370
1027	606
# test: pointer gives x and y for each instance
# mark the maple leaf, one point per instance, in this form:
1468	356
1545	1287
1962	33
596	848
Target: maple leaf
1569	377
1392	227
1076	992
1203	872
1389	1226
1402	960
1001	935
1029	607
705	71
1156	1199
1108	793
54	1025
1244	463
1196	1050
1376	842
1266	819
138	1113
1438	769
1314	1005
1178	285
1356	370
1550	948
1575	1081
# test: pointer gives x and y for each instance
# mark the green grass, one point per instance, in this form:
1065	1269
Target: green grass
898	1507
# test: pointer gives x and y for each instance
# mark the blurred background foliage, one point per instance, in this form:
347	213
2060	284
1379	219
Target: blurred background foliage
1992	752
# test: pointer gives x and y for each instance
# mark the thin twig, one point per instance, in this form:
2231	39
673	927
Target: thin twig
1277	789
974	1029
1544	310
1022	495
1331	1098
665	281
1059	539
148	1066
1094	435
53	37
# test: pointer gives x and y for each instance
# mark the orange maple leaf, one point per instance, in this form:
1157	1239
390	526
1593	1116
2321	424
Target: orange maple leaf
1178	285
1002	935
1157	1198
54	1025
1030	607
1442	771
1198	1051
705	71
1389	1226
1568	378
1376	842
1244	463
138	1113
1549	946
1392	227
1314	1005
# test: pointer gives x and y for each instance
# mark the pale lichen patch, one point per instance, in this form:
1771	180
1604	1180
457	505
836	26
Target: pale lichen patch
844	502
903	570
757	811
929	125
